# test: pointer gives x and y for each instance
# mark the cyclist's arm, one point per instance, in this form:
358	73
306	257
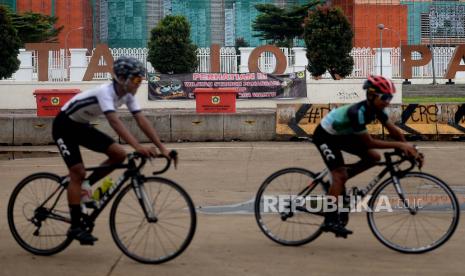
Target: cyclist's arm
394	131
371	142
150	131
121	130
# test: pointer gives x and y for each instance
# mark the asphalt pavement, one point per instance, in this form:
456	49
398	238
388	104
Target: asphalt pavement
226	176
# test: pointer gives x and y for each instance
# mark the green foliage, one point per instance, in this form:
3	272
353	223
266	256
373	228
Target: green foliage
241	42
9	47
433	100
170	47
328	37
280	25
35	27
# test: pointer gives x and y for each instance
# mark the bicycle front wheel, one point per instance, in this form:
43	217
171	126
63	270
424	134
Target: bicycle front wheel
280	216
161	235
38	214
424	218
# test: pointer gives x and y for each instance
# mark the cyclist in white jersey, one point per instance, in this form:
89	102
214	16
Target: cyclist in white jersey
344	129
72	128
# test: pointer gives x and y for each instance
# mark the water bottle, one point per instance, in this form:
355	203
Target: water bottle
107	183
86	192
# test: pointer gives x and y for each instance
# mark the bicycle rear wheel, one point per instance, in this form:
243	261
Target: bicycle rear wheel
38	214
153	241
277	214
425	220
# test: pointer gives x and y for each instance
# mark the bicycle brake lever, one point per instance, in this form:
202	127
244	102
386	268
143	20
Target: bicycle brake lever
174	156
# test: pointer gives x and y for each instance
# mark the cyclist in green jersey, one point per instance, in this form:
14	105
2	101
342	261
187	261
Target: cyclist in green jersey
344	129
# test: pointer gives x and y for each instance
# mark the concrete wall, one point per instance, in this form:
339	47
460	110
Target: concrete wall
6	135
417	121
19	95
343	91
171	125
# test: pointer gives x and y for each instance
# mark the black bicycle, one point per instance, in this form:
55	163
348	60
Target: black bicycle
410	212
152	219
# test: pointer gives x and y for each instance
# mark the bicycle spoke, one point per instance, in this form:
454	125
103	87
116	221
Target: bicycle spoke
158	236
131	221
426	231
401	221
132	240
123	233
141	236
167	235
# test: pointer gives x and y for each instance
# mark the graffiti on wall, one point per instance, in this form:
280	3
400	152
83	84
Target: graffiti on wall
344	96
416	120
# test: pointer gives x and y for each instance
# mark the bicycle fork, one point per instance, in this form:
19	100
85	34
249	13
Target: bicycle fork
144	201
401	194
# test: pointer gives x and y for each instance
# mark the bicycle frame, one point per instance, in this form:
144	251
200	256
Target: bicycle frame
108	195
132	172
395	174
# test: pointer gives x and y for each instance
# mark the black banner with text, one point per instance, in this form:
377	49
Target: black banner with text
249	85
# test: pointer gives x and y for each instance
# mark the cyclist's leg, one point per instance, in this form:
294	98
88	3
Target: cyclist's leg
100	142
65	136
339	178
65	133
116	155
328	146
77	174
366	162
368	157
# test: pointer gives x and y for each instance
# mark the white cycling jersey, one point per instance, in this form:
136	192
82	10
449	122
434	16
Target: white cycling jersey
88	105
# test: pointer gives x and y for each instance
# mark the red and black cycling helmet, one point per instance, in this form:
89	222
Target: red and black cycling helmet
380	85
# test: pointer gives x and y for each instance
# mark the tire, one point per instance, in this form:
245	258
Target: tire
433	223
132	232
282	226
23	211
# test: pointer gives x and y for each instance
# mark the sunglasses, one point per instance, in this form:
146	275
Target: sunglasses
136	80
384	97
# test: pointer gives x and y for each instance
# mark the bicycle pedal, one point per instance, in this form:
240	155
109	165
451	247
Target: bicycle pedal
341	236
86	243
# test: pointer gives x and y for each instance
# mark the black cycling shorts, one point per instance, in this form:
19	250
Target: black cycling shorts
331	147
69	135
